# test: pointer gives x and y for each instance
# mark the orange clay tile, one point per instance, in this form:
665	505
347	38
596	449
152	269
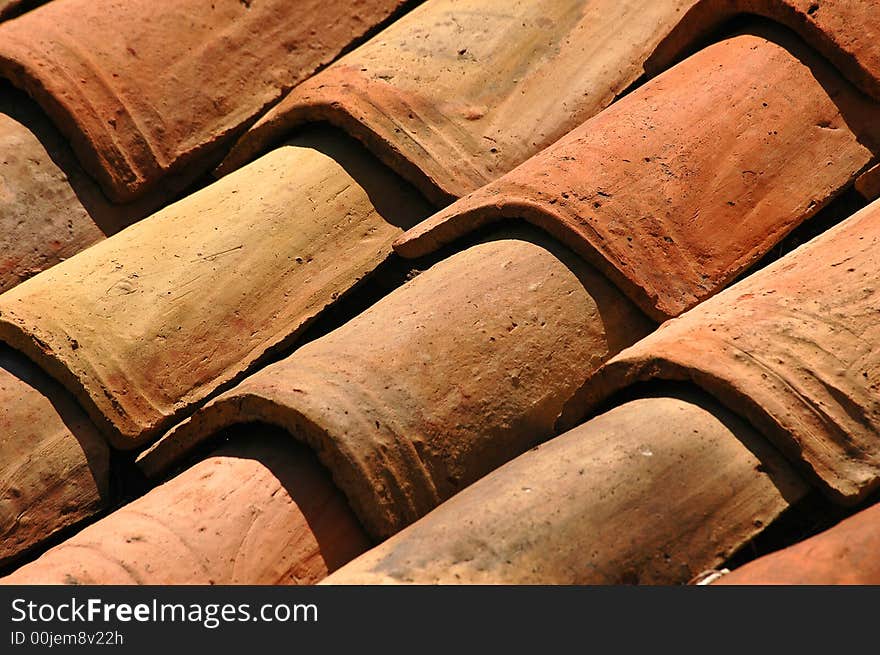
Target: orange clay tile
446	378
258	511
54	466
49	208
845	32
651	492
148	90
677	188
458	92
143	325
845	554
794	348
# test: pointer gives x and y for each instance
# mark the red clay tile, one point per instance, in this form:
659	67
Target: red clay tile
456	372
258	511
455	93
846	32
54	466
147	90
844	555
793	348
677	188
651	492
143	325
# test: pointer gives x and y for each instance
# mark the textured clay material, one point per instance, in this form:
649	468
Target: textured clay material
652	492
846	554
49	208
149	90
150	321
846	32
794	348
259	511
448	377
54	465
677	188
458	92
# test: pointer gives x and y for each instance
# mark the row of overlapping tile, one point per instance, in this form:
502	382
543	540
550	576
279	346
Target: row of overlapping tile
578	223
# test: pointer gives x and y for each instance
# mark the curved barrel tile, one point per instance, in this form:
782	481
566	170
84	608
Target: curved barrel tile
143	325
651	492
446	378
149	90
845	554
257	511
54	465
672	198
794	348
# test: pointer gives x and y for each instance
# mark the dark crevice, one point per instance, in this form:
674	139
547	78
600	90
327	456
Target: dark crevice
806	518
19	8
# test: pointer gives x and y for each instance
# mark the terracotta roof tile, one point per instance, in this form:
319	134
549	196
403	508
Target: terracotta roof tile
55	465
257	511
846	33
152	320
845	554
651	492
145	89
794	348
439	382
671	197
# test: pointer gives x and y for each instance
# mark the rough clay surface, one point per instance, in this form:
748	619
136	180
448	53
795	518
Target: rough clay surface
455	373
845	554
652	492
143	325
673	198
845	32
258	511
148	90
458	92
54	466
794	348
49	208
